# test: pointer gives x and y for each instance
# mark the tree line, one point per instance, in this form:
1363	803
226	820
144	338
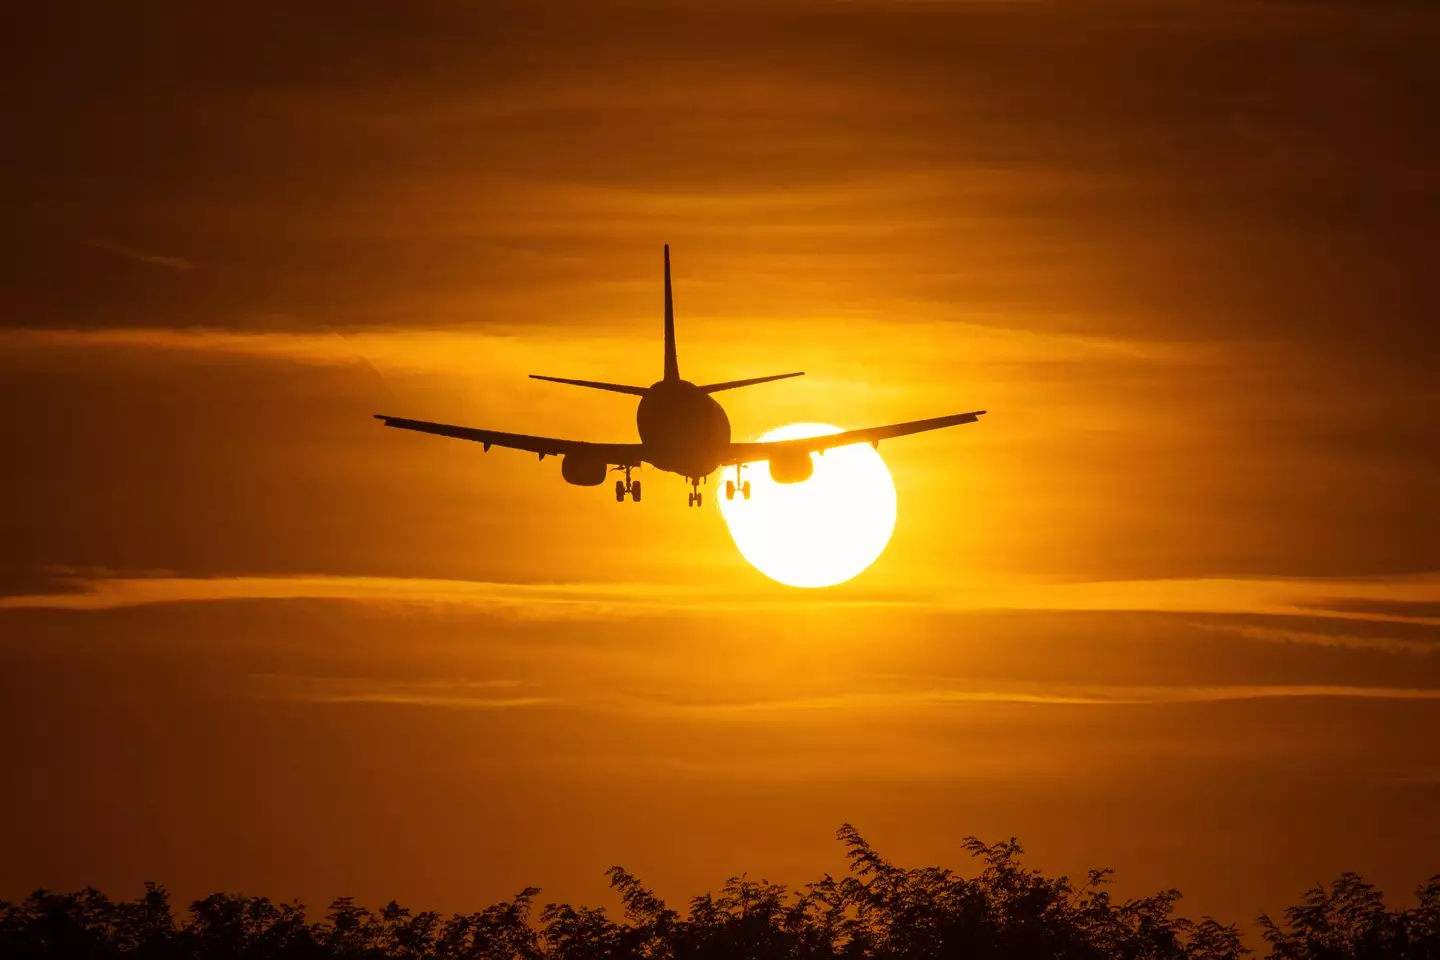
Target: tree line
876	911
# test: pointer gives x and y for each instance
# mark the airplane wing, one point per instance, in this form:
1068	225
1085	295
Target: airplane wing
764	450
617	454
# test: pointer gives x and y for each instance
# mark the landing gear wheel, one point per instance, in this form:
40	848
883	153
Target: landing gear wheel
691	501
732	485
699	499
622	487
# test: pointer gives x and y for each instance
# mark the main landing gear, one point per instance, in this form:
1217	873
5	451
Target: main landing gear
732	485
625	486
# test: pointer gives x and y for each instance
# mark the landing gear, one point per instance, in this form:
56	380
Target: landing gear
696	497
732	485
625	486
730	489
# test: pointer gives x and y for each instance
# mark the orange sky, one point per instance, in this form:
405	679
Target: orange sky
1172	606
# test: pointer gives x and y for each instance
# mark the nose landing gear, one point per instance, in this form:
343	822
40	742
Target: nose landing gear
625	486
696	497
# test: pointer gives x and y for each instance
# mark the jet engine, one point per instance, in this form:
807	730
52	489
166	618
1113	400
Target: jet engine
791	467
583	471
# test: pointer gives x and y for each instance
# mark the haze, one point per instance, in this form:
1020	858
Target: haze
1173	608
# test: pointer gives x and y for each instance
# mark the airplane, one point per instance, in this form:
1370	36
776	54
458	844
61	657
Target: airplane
683	430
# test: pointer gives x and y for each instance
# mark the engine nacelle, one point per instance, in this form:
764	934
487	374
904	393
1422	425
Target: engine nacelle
583	471
791	468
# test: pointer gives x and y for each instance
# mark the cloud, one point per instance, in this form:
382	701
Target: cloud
1257	595
447	694
865	694
927	695
1311	638
1303	597
1423	609
523	601
130	253
1039	694
496	347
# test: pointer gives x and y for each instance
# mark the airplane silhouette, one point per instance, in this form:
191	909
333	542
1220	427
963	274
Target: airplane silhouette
682	429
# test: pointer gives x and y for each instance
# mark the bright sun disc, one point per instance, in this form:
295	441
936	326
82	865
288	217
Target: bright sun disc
820	532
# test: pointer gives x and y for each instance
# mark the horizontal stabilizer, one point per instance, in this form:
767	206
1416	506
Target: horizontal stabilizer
732	384
595	385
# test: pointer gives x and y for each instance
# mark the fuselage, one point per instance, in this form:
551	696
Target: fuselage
683	429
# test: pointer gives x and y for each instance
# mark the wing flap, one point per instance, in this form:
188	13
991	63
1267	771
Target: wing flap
762	451
619	454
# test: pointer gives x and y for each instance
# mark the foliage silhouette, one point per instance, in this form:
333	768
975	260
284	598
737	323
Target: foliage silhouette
878	911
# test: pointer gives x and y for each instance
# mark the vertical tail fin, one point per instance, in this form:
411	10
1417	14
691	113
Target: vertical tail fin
672	365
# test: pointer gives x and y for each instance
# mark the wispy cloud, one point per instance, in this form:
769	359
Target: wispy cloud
1298	597
140	256
976	692
927	694
1314	638
524	601
440	349
1278	597
446	694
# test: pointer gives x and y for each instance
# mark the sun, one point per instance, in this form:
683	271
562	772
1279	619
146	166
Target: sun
823	531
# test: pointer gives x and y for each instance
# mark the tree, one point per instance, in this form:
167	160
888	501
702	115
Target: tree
877	911
1351	920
